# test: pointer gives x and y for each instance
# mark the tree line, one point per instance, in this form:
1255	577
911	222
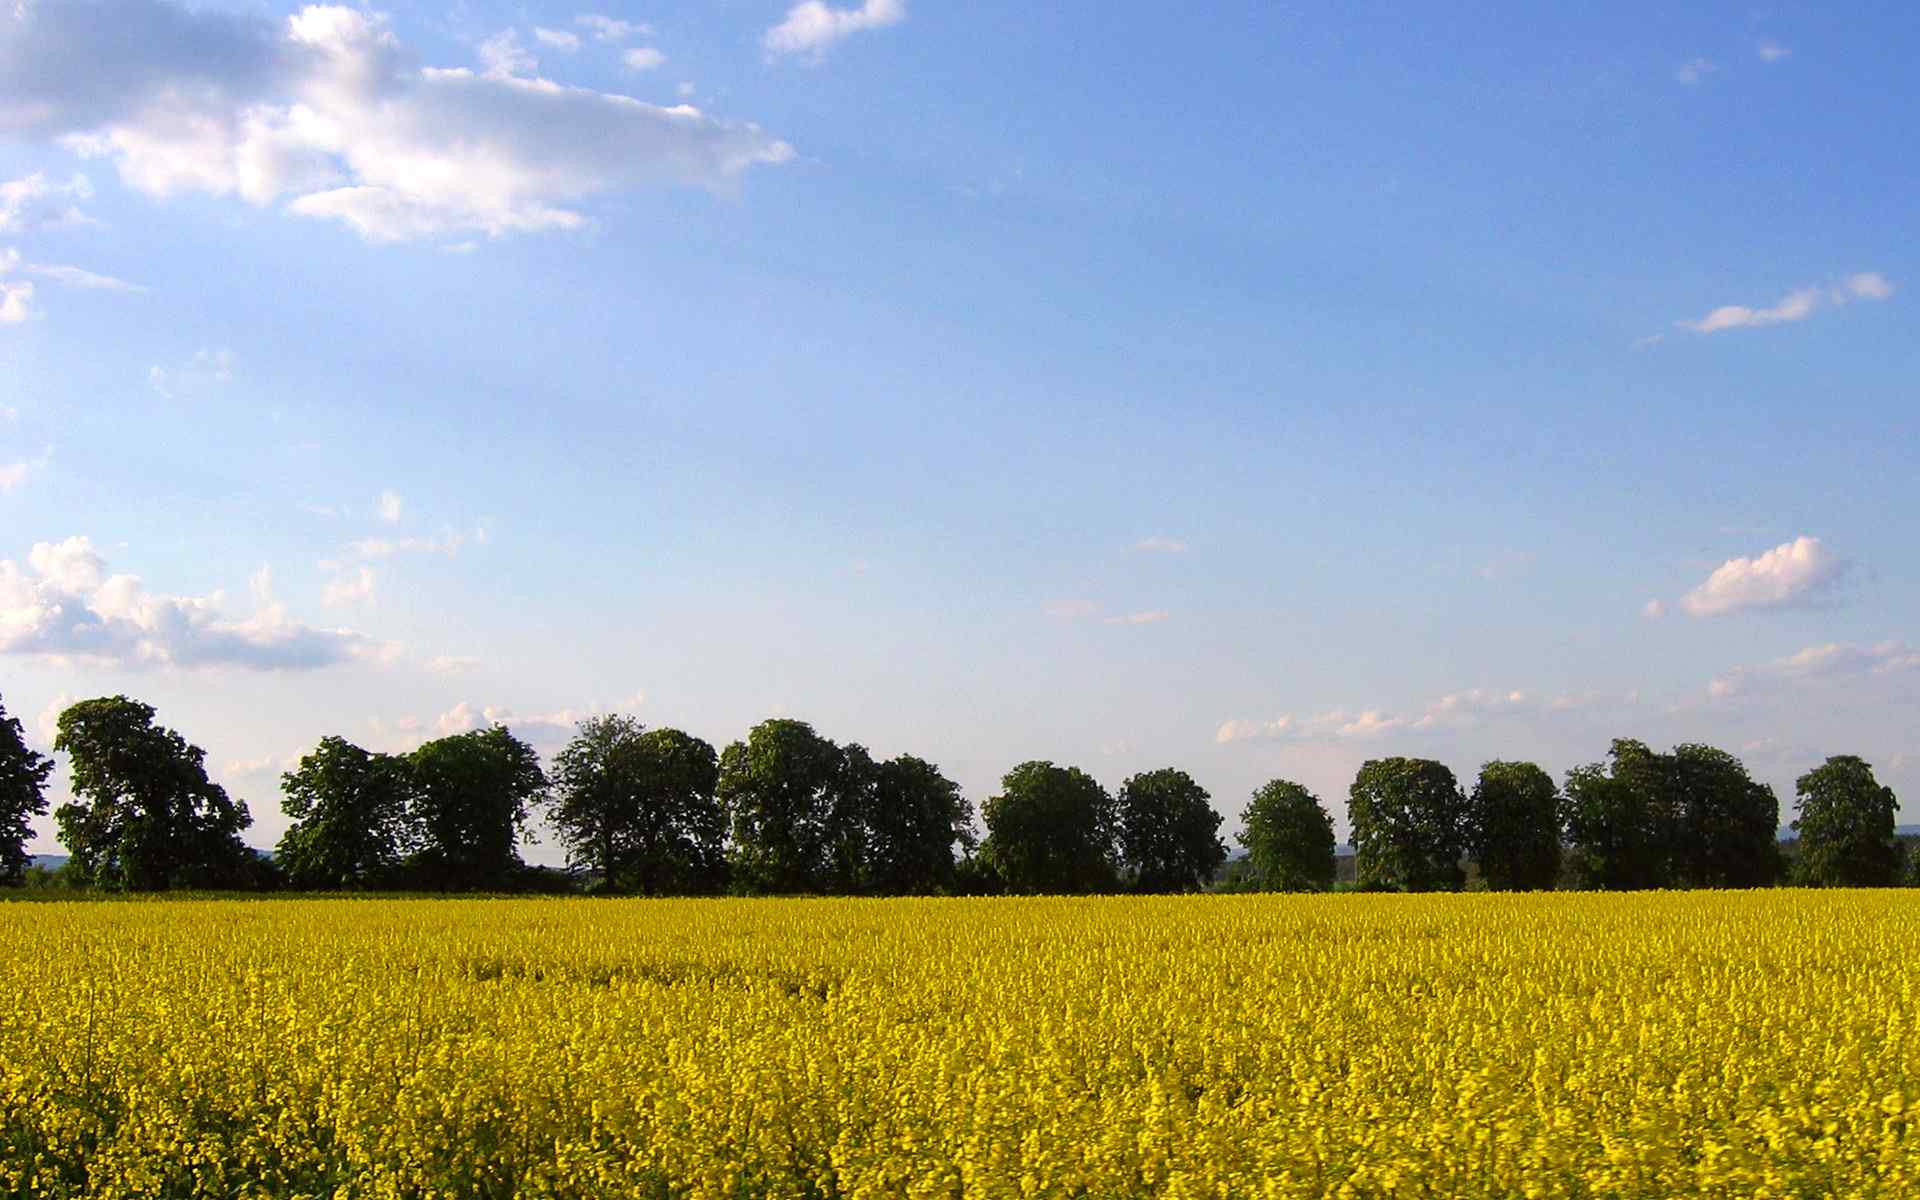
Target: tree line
786	811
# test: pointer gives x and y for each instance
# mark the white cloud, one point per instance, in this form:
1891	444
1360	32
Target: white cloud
503	55
1770	51
1071	610
1139	618
1455	710
47	724
643	58
1830	661
1796	305
810	28
34	202
326	112
1786	574
15	474
389	506
611	29
205	369
350	588
448	544
1654	609
1694	70
557	39
449	663
685	90
78	278
66	605
16	302
266	764
1160	545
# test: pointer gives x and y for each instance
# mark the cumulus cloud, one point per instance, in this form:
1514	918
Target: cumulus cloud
36	202
205	369
15	474
16	296
1796	305
325	112
811	28
66	605
1787	574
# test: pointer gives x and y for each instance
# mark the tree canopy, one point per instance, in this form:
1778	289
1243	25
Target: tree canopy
1051	830
1288	835
1409	825
471	793
782	792
1169	832
353	818
1513	827
1845	823
144	816
23	796
637	806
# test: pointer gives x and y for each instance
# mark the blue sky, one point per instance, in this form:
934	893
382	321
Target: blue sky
1255	391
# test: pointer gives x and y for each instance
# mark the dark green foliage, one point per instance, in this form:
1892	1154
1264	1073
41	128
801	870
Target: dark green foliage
916	819
783	790
1845	824
1620	821
470	796
1288	835
1169	833
23	796
145	817
1051	830
1409	825
1728	825
638	807
352	816
1513	827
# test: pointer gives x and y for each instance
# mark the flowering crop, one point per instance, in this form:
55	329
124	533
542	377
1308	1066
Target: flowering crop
1730	1044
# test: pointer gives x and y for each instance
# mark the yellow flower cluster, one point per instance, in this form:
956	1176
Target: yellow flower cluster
1750	1045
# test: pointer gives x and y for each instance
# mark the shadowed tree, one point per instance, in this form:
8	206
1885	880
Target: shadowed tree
23	796
781	791
1409	825
1620	821
1728	825
144	816
1288	835
1513	827
1845	822
1169	833
352	818
638	807
1051	830
471	793
916	819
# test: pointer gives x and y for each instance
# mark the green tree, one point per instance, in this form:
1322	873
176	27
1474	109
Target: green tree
1727	824
1845	822
917	817
783	789
1620	820
23	796
1169	832
1288	835
144	816
1409	825
638	806
1051	830
352	818
1513	827
471	793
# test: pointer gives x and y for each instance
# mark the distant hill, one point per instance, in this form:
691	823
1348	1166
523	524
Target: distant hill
52	862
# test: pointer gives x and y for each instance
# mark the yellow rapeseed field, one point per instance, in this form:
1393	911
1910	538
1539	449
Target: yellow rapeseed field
1751	1045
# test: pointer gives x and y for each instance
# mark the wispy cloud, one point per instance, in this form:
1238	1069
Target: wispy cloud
205	369
1796	305
1788	574
1694	70
811	28
643	58
1455	710
36	202
389	506
1828	661
611	29
1772	52
1151	617
1160	545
